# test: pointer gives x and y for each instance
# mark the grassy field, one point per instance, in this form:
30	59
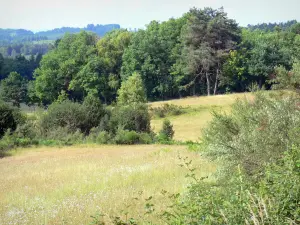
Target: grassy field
66	185
52	185
188	126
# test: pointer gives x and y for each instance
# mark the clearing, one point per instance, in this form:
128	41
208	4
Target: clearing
48	185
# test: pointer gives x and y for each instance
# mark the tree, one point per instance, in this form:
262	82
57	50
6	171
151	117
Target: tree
208	37
62	67
110	50
10	117
132	91
268	50
167	132
235	71
94	112
14	89
152	53
20	65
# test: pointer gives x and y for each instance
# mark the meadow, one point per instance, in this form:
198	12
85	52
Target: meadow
188	126
66	185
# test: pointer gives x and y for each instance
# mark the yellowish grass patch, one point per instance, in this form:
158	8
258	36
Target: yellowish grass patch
66	185
188	127
216	100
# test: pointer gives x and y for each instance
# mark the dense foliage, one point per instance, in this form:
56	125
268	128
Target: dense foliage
201	53
9	118
69	122
14	89
272	200
260	135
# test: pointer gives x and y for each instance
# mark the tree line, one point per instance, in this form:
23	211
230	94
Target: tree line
25	49
201	53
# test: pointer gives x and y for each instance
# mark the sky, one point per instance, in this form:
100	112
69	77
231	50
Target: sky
40	15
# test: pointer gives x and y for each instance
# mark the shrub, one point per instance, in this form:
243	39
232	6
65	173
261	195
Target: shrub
104	122
131	137
10	117
256	132
273	200
287	79
27	129
133	117
62	136
126	137
11	140
167	132
146	138
97	135
67	114
167	110
94	112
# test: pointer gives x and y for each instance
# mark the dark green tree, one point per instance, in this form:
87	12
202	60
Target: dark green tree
207	39
14	89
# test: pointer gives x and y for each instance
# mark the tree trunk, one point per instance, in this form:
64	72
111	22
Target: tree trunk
207	84
260	83
216	83
194	89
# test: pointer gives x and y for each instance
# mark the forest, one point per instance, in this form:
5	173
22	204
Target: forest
202	53
209	109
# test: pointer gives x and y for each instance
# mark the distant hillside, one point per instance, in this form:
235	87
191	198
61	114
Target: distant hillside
100	30
11	36
14	42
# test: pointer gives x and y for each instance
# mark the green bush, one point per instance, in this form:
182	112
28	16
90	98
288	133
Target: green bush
104	122
10	117
73	116
67	114
97	135
94	112
256	132
167	110
134	117
11	140
62	136
27	129
273	200
131	137
167	132
146	138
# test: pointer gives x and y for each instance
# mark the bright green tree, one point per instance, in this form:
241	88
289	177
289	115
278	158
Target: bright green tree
152	53
235	71
132	91
61	66
110	50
